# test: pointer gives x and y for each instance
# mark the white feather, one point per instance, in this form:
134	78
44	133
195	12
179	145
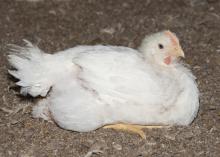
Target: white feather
97	85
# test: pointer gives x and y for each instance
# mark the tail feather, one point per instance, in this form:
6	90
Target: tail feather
30	67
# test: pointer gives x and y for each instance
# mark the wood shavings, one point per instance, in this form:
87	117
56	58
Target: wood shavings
6	110
108	31
96	151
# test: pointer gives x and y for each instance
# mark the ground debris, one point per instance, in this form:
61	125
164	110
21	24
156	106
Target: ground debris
95	151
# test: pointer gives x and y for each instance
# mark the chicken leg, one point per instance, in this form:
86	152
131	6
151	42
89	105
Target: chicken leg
137	129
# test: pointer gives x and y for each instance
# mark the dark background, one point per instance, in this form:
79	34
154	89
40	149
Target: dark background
56	25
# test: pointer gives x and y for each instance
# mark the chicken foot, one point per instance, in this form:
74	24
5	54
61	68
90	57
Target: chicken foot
133	128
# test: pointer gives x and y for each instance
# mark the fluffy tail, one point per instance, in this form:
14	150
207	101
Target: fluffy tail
33	69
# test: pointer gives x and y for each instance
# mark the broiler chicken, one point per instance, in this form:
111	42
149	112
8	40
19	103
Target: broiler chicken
112	86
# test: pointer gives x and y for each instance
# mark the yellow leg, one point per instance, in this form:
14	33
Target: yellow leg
137	129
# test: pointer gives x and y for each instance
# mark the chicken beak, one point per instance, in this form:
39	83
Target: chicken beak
177	52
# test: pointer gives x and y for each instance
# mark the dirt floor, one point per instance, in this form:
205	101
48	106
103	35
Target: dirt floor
55	25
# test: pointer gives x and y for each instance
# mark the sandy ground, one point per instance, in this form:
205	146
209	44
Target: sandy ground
55	25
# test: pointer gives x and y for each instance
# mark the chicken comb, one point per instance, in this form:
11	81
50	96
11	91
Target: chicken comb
172	36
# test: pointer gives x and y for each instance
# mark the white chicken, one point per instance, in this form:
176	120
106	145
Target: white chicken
112	86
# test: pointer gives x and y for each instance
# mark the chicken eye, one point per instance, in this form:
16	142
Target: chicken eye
160	46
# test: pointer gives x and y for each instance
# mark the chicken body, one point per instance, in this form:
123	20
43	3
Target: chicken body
93	86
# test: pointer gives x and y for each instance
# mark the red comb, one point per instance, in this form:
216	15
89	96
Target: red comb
172	37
